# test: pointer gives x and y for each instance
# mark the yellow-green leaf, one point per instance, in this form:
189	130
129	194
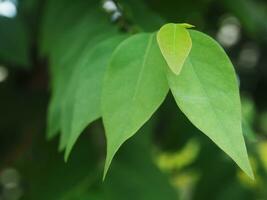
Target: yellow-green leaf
175	45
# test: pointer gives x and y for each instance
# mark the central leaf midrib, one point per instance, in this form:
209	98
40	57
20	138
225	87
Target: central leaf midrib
136	89
218	120
140	75
174	40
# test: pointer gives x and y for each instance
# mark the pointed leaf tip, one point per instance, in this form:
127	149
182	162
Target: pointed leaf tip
110	155
84	96
186	25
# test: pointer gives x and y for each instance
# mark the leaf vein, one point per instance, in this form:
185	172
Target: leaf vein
149	44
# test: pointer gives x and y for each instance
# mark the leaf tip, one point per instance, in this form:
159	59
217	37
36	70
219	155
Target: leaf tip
187	26
68	149
112	148
66	155
248	171
251	175
176	70
107	165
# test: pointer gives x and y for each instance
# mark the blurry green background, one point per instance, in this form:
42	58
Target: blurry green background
168	158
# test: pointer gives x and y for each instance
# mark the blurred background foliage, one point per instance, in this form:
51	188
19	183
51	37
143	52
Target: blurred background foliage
169	158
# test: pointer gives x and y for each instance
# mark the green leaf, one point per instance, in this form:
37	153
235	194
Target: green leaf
207	93
175	44
71	84
85	101
134	87
65	60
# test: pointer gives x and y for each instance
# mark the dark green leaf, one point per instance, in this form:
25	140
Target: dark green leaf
86	97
